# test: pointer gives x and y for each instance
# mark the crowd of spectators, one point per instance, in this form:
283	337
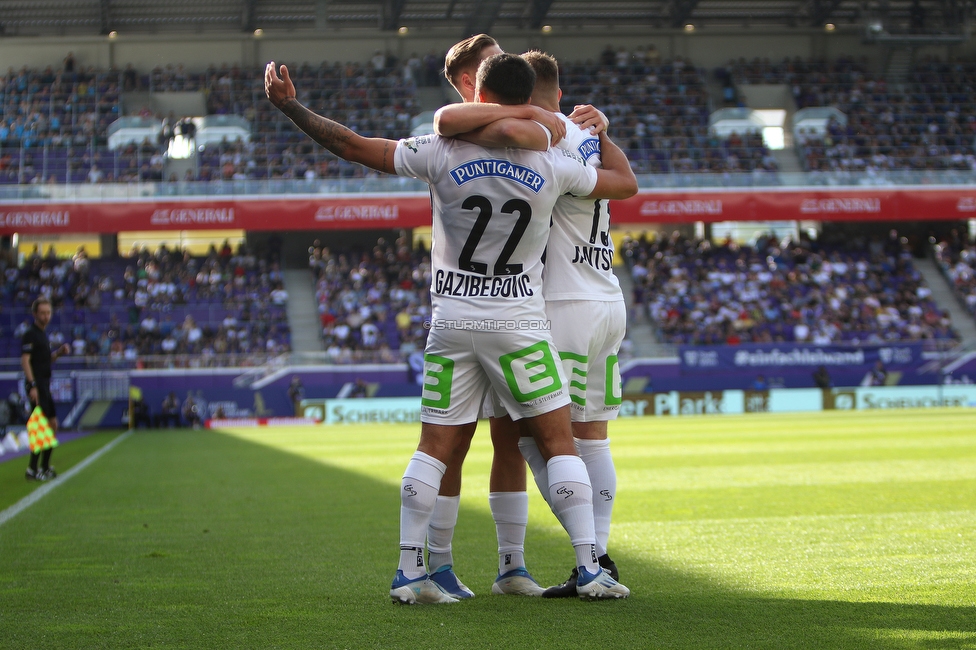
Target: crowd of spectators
374	98
929	124
55	131
659	112
54	122
68	110
228	307
857	291
225	307
956	257
372	303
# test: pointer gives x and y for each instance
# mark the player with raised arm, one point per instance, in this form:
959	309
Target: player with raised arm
579	284
486	257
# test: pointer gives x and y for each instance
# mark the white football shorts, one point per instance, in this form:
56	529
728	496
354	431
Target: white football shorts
520	366
588	334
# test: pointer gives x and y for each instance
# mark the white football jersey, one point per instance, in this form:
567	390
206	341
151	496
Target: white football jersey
491	215
579	259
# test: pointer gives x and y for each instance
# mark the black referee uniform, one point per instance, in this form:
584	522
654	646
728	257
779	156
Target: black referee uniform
36	344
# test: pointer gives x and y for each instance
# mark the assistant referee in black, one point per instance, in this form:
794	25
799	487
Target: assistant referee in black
36	358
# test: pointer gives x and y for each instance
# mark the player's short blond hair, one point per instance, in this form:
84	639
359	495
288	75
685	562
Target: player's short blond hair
465	54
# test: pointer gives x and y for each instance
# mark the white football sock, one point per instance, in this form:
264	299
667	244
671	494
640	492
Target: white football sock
572	501
510	510
440	532
412	562
603	479
418	494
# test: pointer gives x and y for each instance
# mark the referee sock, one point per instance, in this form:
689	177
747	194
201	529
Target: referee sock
510	510
32	463
418	494
46	459
572	501
440	532
603	479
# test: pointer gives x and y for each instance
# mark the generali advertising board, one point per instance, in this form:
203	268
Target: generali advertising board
787	204
409	210
357	213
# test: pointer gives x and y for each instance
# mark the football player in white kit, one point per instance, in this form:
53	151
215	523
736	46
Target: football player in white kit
492	125
579	286
488	326
510	126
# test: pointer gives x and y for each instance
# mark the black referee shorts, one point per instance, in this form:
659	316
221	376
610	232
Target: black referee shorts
45	401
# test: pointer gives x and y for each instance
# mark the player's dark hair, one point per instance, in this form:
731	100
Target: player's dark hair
546	70
38	302
465	54
507	76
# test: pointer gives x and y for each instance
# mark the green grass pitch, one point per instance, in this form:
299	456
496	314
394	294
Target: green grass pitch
833	530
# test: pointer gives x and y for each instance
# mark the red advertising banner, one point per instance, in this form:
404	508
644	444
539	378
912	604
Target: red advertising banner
795	204
355	213
368	211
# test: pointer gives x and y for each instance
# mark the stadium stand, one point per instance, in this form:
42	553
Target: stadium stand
928	126
54	126
957	260
659	114
864	292
165	308
55	130
372	303
375	100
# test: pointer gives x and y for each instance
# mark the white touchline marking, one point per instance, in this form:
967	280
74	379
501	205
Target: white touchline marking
39	493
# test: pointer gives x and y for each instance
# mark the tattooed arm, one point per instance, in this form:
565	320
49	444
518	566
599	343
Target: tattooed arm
376	153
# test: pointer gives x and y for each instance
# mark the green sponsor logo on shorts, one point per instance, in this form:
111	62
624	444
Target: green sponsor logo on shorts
441	384
575	367
531	372
615	392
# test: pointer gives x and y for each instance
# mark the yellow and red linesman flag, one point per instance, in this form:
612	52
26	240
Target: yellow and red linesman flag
40	434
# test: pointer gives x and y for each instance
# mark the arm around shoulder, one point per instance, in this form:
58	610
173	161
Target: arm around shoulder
509	132
497	125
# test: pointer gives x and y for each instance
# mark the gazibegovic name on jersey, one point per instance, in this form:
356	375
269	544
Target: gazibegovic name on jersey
454	283
473	169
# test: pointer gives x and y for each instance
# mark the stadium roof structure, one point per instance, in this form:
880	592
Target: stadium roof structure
94	17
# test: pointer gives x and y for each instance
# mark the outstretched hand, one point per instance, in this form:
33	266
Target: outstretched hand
589	117
278	89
